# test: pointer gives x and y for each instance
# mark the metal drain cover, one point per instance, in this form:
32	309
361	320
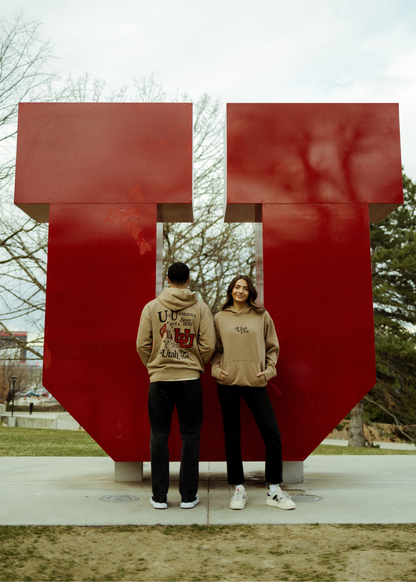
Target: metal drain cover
119	498
299	495
305	497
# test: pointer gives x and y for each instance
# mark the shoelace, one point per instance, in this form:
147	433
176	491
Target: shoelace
282	496
239	495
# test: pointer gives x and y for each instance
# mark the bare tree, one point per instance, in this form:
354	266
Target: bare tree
23	256
8	369
148	90
86	88
4	388
24	58
24	76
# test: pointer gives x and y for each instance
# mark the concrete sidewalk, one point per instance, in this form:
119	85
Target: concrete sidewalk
337	489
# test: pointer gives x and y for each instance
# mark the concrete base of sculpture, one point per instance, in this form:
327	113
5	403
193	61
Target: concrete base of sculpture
128	471
292	471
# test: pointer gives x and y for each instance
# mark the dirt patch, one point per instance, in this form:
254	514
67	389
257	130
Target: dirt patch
222	553
385	433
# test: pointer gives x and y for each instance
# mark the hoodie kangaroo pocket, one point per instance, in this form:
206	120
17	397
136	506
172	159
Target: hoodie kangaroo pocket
243	373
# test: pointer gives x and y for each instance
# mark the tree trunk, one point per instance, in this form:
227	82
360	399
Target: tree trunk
356	432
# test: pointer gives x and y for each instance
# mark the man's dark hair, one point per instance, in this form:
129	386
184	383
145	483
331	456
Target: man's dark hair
178	273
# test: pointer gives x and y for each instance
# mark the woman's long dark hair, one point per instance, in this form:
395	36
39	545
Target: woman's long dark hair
252	294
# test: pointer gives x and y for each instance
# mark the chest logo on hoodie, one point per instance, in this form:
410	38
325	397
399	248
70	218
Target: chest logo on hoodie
241	329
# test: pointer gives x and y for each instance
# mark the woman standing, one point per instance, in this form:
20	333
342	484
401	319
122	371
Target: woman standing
244	360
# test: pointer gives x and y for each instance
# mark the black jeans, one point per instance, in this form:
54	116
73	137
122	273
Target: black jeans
259	403
187	395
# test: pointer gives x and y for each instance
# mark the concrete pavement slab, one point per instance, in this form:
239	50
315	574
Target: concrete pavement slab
68	491
344	489
337	489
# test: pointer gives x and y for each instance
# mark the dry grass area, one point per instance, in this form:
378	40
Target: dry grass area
214	553
377	431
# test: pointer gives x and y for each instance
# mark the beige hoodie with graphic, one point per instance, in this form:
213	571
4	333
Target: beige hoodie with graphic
176	336
246	344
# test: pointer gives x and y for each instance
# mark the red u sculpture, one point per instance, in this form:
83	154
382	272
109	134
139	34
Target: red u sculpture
311	176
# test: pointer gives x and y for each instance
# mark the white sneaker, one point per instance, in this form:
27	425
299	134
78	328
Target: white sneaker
281	500
189	503
239	499
159	502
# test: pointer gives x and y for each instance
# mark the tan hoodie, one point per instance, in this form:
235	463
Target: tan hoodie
246	344
176	335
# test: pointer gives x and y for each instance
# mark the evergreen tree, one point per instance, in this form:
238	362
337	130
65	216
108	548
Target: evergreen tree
393	248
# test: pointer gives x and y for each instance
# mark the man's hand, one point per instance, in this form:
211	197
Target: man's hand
223	372
261	374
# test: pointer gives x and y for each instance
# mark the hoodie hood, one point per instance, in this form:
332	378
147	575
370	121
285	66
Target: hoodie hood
177	299
234	311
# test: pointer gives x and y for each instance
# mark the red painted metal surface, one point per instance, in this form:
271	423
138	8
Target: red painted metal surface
313	173
101	270
317	287
313	153
99	153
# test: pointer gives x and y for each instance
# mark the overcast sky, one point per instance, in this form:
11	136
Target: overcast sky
244	50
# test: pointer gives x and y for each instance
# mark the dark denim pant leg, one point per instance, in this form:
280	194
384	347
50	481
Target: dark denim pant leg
161	403
261	407
230	398
189	407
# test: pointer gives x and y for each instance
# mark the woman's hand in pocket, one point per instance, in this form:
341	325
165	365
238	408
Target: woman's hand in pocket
261	374
223	373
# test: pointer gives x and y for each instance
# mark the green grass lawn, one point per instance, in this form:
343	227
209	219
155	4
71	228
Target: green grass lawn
43	442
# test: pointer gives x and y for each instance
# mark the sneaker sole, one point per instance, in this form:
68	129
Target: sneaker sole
157	505
189	505
279	505
231	507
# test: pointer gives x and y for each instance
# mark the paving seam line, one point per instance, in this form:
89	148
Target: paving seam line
208	480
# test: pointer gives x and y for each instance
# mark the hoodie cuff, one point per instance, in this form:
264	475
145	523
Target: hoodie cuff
269	374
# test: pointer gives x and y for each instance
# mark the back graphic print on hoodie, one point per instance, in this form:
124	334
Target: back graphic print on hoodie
176	335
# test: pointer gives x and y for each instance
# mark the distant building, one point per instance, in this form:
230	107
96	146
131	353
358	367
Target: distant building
11	349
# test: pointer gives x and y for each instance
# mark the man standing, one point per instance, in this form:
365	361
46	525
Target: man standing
175	340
